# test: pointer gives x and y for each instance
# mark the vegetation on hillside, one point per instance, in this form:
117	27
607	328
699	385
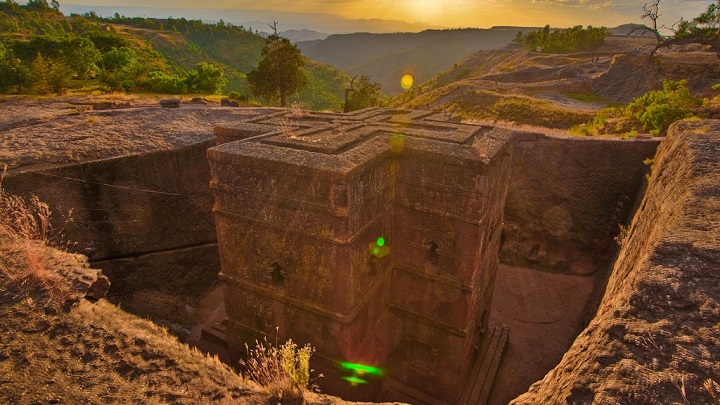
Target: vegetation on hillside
44	52
565	40
519	109
653	112
363	94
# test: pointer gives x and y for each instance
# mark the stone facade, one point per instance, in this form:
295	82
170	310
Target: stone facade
301	204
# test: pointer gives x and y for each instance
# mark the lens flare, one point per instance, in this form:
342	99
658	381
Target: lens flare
378	248
355	380
407	81
397	142
362	368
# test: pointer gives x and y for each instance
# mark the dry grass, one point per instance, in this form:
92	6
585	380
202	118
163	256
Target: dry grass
26	226
98	354
283	371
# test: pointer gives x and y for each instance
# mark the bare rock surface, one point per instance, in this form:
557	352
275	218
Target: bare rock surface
66	130
543	312
656	336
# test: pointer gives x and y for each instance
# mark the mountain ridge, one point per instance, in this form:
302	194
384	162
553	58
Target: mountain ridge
386	57
258	19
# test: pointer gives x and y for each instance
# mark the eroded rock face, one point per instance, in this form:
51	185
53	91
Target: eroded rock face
141	206
656	336
567	197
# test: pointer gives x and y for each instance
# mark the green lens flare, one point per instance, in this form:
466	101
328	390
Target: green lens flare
355	380
362	368
376	251
381	241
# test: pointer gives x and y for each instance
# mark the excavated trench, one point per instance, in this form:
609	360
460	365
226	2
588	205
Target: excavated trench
146	221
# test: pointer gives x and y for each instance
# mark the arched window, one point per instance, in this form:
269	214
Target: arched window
432	255
277	276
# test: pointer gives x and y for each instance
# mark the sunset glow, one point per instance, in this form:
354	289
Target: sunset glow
453	13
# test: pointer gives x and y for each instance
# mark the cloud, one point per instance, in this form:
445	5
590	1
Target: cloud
591	4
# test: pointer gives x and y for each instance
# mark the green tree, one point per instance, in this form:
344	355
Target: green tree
703	29
280	71
119	70
105	41
49	76
38	5
565	40
78	53
205	78
6	71
362	94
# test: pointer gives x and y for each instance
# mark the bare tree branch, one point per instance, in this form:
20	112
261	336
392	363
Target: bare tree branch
346	107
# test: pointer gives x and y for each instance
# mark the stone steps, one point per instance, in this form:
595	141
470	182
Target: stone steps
479	383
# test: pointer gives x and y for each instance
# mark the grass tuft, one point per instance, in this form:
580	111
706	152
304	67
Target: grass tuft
283	371
28	223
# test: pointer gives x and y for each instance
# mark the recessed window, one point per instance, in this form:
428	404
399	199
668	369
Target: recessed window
277	276
373	266
432	255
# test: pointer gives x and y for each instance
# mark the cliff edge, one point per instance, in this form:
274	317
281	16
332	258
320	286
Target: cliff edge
656	335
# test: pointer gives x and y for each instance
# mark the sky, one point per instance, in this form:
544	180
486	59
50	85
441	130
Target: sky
455	13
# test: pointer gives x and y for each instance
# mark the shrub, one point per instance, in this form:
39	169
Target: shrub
236	95
366	93
463	73
653	112
657	109
122	69
205	78
161	82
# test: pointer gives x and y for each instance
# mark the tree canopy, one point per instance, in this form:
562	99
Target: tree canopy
565	40
280	71
703	29
362	94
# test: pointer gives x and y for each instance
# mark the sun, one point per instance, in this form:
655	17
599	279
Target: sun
406	82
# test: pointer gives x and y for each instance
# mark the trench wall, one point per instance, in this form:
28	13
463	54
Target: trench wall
656	335
145	220
567	197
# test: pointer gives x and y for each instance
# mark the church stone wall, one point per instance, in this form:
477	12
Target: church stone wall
299	210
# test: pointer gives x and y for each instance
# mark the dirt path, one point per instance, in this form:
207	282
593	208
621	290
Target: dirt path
542	311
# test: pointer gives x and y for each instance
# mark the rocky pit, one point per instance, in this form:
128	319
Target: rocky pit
143	214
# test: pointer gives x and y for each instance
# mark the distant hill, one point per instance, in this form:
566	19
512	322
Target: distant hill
627	29
171	46
514	85
304	35
257	19
386	57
